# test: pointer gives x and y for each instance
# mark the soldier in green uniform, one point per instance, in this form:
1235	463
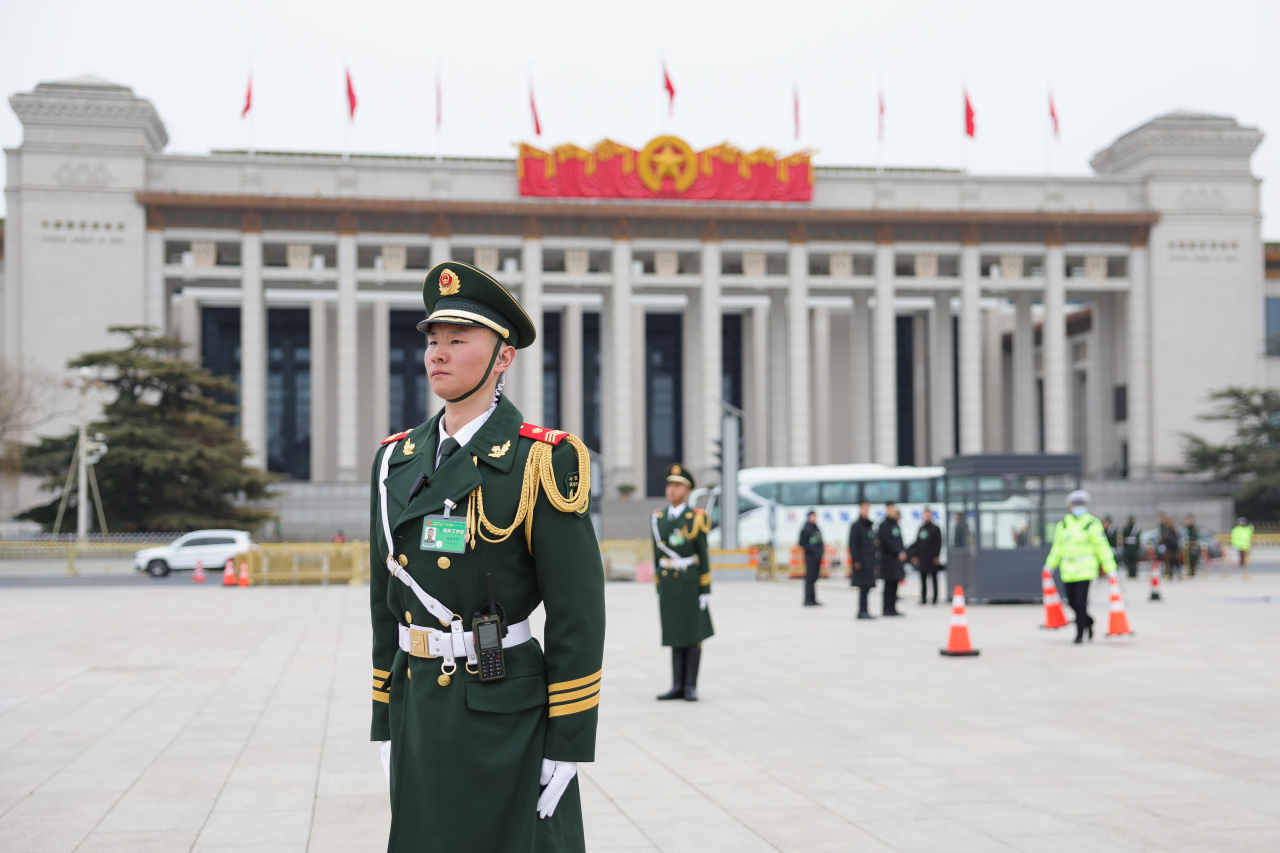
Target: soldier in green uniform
682	575
1193	545
1131	534
482	727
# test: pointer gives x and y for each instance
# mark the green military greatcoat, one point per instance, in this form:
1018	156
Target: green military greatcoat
684	622
466	756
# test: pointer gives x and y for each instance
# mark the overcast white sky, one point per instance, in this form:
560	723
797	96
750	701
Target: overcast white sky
596	68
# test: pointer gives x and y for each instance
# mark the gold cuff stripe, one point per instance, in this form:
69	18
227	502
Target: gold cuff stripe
384	698
381	673
377	684
448	314
569	685
576	694
565	710
705	579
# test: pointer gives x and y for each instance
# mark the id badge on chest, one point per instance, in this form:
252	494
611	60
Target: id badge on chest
444	534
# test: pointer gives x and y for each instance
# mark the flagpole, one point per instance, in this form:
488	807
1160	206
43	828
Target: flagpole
439	111
879	124
346	125
252	113
1048	144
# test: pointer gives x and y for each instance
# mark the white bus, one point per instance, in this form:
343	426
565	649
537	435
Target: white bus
773	502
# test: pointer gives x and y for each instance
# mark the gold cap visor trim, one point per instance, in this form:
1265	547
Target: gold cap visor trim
452	315
675	478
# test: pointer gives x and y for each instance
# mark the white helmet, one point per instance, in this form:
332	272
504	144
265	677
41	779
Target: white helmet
1079	496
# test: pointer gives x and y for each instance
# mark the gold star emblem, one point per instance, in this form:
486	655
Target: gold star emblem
667	157
409	447
667	162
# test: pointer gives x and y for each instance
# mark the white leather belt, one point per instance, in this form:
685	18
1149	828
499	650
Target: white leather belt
677	562
454	643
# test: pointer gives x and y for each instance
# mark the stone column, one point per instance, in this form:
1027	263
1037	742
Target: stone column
821	343
993	381
712	354
154	309
779	367
321	417
941	405
253	346
885	360
571	379
756	429
382	368
619	442
860	349
348	396
798	352
1099	382
1139	381
1057	430
1025	429
188	328
970	348
529	360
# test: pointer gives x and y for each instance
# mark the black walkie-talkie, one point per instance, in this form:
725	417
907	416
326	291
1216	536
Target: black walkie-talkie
487	634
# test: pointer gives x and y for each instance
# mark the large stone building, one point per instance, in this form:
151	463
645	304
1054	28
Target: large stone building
901	316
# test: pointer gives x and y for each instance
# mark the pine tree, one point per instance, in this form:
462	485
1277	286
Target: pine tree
175	462
1251	457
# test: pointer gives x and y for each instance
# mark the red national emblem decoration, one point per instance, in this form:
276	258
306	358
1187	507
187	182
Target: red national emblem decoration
448	283
667	167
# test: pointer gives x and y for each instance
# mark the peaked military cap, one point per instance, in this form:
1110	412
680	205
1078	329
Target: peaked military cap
677	473
462	295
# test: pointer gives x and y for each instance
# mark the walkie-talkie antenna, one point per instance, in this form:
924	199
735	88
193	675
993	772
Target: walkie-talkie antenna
493	606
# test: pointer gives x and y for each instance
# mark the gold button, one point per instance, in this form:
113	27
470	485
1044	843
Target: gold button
443	562
443	680
402	560
408	617
664	573
408	673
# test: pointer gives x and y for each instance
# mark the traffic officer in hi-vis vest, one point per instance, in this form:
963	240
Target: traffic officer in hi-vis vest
683	579
477	519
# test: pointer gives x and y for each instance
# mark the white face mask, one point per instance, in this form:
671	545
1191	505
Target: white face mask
1078	510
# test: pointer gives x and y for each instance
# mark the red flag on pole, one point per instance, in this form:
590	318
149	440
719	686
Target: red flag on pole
969	115
248	98
1053	115
882	115
671	90
351	97
795	93
533	105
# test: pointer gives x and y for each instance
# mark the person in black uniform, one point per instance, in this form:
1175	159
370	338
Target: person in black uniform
811	542
863	557
892	555
926	556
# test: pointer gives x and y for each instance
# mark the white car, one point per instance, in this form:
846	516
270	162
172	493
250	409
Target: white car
212	547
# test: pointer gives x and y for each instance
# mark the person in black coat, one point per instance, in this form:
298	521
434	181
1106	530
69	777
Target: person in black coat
864	558
811	543
893	554
926	556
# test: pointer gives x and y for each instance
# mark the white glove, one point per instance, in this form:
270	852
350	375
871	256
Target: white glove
386	760
556	776
702	600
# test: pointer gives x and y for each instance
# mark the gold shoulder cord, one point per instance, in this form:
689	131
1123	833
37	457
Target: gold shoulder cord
537	470
701	524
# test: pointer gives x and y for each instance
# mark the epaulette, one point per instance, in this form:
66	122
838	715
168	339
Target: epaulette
550	436
395	437
699	511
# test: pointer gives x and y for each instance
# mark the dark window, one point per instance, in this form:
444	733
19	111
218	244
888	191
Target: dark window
731	359
1121	404
591	405
768	491
407	372
906	393
289	392
918	491
1273	326
882	491
798	494
663	397
220	540
550	334
840	493
220	349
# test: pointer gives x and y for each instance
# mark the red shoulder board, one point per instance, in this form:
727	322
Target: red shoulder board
550	436
699	511
395	437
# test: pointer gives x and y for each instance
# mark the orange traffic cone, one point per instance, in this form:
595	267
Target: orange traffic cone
198	577
1054	617
244	573
229	573
958	643
1119	618
1155	580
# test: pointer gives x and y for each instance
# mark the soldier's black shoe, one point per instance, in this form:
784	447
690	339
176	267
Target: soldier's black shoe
678	656
691	673
865	615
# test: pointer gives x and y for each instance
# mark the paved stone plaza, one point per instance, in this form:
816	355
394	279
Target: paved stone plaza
162	716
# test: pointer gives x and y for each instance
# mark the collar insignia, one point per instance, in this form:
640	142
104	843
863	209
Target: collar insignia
409	447
498	452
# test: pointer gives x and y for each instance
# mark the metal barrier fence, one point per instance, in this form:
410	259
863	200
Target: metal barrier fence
293	564
70	551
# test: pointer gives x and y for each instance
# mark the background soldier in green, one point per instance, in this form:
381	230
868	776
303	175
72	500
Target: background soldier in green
1132	546
1193	545
482	765
682	575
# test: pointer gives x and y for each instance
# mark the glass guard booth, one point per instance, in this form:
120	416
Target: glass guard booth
1001	513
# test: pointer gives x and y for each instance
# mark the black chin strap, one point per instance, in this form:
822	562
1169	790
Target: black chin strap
492	361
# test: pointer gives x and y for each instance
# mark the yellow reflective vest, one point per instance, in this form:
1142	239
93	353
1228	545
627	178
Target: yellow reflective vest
1242	537
1080	549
